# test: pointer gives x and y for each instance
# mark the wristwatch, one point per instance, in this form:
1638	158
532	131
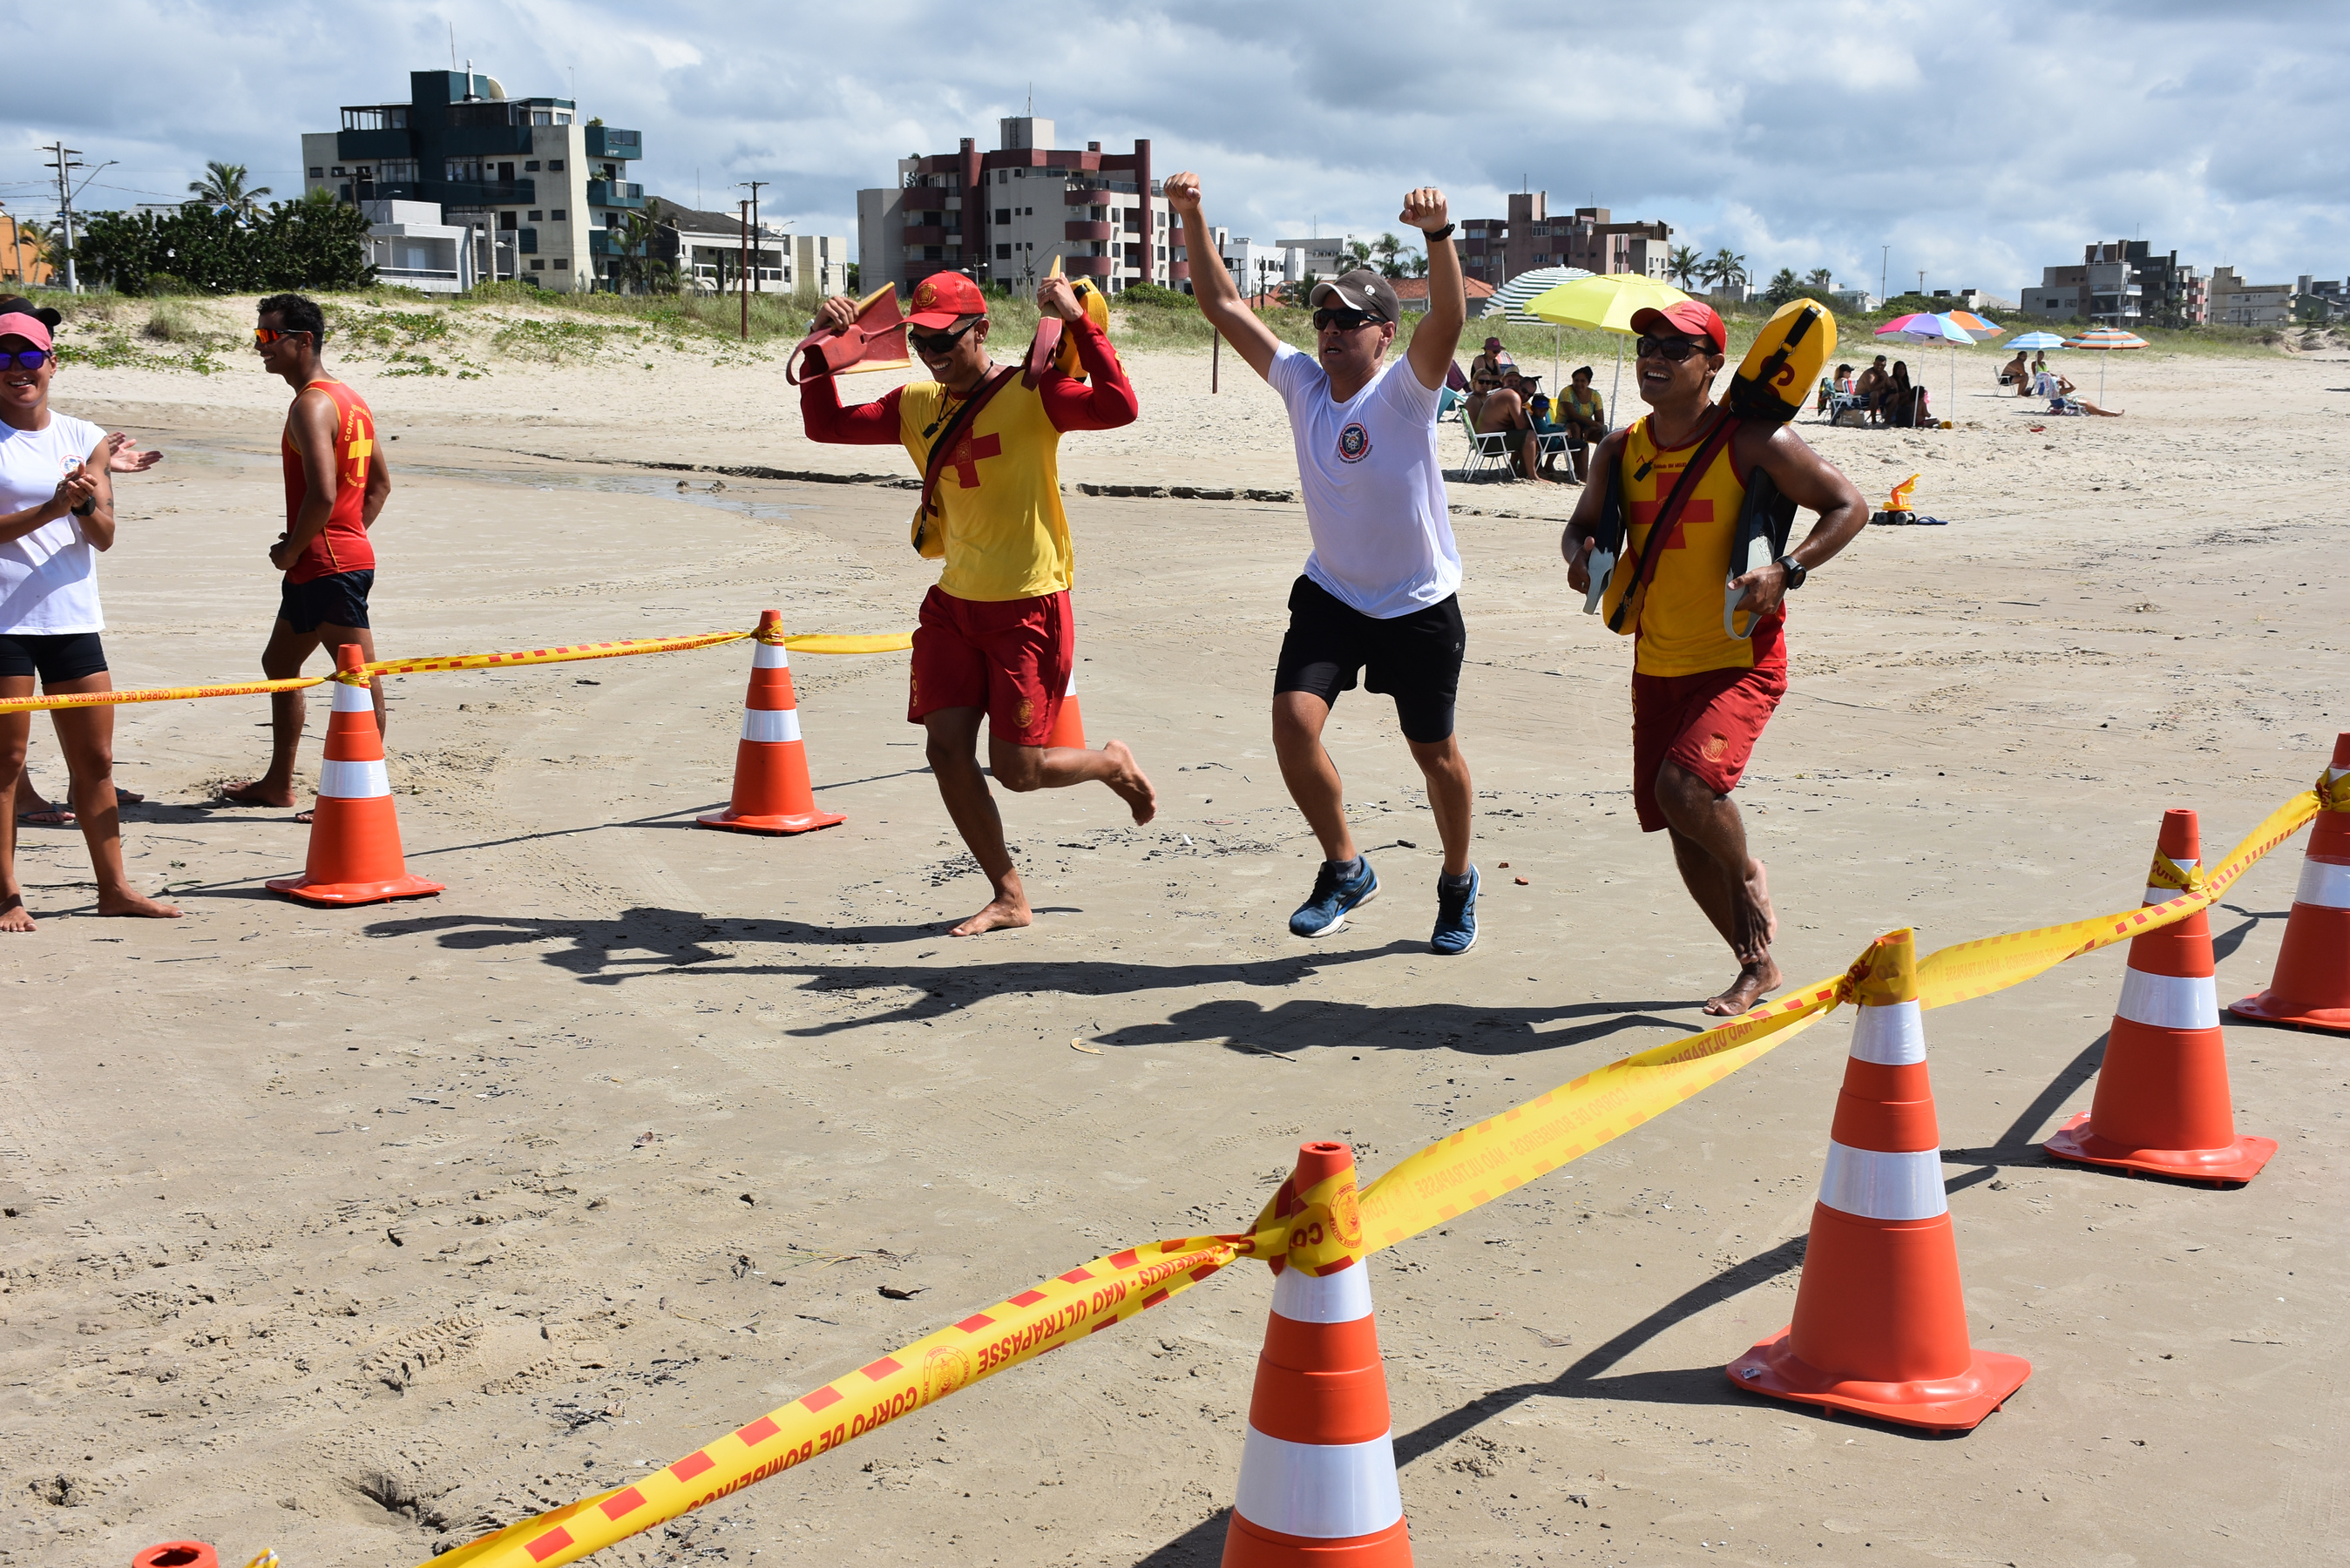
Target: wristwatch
1797	571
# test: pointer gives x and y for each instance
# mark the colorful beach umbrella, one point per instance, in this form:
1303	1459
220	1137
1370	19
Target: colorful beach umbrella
1605	303
2030	341
2105	340
1953	328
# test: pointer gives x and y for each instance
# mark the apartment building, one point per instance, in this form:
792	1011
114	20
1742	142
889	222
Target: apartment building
1002	217
711	250
2235	303
1495	250
820	262
542	193
2122	283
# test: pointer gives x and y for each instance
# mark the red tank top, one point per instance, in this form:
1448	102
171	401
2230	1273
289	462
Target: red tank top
342	544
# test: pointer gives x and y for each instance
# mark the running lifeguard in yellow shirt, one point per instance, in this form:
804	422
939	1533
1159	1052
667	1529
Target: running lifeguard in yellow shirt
997	637
1699	695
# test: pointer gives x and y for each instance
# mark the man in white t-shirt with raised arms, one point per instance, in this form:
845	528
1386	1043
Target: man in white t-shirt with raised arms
1379	594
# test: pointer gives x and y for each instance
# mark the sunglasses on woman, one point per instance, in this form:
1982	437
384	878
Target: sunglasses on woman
1344	320
938	345
24	358
265	336
1673	349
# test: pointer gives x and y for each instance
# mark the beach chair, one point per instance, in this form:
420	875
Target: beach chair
1843	403
1487	449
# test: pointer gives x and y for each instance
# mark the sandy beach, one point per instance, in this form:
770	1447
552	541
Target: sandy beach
398	1224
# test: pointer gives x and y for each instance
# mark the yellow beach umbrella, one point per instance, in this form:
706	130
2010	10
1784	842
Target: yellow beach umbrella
1604	304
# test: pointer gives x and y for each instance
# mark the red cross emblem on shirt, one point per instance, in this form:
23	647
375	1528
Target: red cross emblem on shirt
1696	509
966	456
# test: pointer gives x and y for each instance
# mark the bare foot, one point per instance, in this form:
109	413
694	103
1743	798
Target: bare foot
1755	980
130	903
1130	783
14	916
1001	914
256	791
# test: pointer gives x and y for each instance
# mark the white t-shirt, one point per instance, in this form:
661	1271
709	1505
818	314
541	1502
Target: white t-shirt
49	577
1374	487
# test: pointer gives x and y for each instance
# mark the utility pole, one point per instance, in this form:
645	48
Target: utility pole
1884	262
753	186
65	165
741	276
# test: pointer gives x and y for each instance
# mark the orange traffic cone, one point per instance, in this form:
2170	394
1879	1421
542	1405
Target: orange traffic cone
2311	985
771	773
179	1553
1881	1328
1068	724
1317	1468
2162	1104
355	855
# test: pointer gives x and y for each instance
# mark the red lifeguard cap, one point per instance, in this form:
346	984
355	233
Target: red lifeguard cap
1694	317
944	298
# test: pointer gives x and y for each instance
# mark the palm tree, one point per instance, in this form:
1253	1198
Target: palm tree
223	187
1728	268
38	244
1387	249
1785	286
1684	266
1822	279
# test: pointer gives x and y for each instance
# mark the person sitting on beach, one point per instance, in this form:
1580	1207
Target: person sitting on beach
1486	369
1871	389
2016	373
1542	413
1504	408
1583	414
56	514
1900	400
2061	400
1843	378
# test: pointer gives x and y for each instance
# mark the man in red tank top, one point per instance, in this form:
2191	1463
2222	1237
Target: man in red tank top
335	484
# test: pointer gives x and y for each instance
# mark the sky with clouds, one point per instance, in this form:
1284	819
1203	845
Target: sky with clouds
1980	142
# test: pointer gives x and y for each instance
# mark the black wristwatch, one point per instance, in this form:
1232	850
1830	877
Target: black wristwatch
1797	571
1444	234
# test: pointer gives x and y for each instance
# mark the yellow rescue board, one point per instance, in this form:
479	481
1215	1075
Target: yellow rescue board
1776	378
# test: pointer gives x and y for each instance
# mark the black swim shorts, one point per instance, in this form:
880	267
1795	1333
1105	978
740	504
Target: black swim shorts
338	598
1415	657
56	656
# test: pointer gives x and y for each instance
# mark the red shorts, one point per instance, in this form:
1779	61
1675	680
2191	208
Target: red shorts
1010	657
1707	723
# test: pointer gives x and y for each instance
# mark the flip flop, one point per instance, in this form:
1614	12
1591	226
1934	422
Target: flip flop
48	817
304	816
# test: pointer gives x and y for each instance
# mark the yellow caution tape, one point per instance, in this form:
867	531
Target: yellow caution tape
1970	970
620	649
1050	1313
826	642
805	642
154	694
1472	1167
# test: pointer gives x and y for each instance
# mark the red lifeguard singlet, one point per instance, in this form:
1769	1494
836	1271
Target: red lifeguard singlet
342	544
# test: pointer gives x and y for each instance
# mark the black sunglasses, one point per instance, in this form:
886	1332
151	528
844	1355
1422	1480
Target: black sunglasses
1673	349
1344	320
24	358
937	343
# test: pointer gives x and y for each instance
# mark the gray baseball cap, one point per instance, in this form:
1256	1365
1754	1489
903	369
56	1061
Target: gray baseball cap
1361	289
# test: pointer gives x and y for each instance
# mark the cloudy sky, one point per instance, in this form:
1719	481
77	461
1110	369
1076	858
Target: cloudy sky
1980	142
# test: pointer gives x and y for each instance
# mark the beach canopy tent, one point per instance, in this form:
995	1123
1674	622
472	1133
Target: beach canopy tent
1603	303
1950	328
2105	340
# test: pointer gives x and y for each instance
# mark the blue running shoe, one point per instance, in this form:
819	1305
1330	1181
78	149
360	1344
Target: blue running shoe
1456	918
1326	911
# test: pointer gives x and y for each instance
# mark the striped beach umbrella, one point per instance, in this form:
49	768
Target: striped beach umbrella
2105	340
1954	329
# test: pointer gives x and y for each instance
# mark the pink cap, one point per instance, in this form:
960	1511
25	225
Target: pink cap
28	327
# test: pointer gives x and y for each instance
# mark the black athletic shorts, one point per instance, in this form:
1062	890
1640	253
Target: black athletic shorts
1415	657
338	598
55	657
